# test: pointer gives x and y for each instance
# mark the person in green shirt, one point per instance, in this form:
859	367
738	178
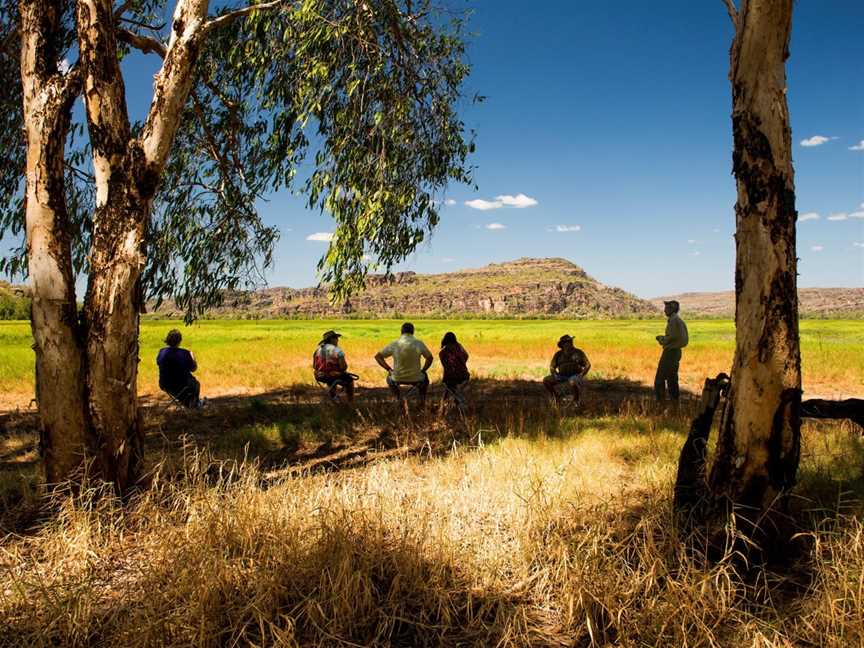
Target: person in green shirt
406	353
675	339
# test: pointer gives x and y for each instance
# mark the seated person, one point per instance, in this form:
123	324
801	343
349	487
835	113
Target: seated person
330	365
175	371
569	365
454	360
406	369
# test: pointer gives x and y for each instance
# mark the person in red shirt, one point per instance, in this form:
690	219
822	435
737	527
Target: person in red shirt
454	360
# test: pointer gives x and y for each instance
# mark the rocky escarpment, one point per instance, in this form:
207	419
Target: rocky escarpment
812	302
522	288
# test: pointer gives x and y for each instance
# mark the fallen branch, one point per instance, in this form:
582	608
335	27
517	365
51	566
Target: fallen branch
818	408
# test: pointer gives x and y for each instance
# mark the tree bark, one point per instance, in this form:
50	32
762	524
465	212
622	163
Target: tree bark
759	442
60	364
127	172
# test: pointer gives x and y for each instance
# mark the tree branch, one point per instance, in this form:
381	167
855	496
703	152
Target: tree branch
224	19
145	44
852	409
733	12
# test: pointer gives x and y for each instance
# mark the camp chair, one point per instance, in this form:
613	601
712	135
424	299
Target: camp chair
176	401
336	390
456	395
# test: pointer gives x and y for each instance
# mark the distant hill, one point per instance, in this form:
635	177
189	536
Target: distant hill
522	288
812	302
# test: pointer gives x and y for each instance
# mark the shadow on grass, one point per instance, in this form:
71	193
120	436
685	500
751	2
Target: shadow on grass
357	582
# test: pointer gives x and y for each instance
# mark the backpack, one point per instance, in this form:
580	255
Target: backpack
325	363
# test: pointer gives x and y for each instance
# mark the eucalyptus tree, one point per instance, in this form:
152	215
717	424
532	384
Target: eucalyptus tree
758	447
760	439
352	103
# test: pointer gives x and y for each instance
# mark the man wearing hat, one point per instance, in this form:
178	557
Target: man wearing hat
676	338
330	365
569	365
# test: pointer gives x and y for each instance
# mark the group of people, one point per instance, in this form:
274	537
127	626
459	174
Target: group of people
407	361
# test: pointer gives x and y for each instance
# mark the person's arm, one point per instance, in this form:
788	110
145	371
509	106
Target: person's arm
381	356
427	354
464	353
193	366
587	365
343	363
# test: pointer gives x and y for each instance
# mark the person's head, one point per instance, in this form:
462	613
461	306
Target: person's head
565	342
407	328
331	337
449	338
174	338
671	307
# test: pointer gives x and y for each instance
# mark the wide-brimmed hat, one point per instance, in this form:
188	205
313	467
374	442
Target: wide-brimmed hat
563	339
330	334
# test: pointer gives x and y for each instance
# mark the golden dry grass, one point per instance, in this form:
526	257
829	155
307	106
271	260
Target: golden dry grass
534	540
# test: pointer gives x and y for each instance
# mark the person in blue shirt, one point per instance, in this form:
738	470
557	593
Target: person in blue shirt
176	366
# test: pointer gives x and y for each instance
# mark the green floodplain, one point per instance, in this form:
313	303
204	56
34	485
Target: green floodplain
265	354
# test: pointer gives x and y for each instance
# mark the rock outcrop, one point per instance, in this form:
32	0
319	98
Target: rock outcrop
522	288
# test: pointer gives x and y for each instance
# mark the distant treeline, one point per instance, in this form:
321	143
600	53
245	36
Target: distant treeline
13	306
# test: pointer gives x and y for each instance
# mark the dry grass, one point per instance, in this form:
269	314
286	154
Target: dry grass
562	536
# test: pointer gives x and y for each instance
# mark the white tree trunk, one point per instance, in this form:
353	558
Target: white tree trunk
60	375
758	448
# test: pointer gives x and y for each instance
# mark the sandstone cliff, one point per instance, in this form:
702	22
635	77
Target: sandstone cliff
522	288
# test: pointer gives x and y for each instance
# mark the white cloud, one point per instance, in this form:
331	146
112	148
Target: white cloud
694	253
449	202
808	216
447	260
816	140
519	201
817	248
565	228
483	205
716	230
857	147
857	244
692	241
839	216
323	237
64	66
857	214
495	226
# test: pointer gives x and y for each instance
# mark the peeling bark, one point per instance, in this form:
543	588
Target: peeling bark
759	443
47	98
90	417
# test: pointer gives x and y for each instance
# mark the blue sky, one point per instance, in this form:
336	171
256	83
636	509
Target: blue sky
614	119
606	134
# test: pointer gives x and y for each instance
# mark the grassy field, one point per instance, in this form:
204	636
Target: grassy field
269	519
257	356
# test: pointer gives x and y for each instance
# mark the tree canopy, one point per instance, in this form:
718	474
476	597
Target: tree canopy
353	105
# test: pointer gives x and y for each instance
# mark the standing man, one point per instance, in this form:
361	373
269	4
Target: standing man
406	370
676	338
330	365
